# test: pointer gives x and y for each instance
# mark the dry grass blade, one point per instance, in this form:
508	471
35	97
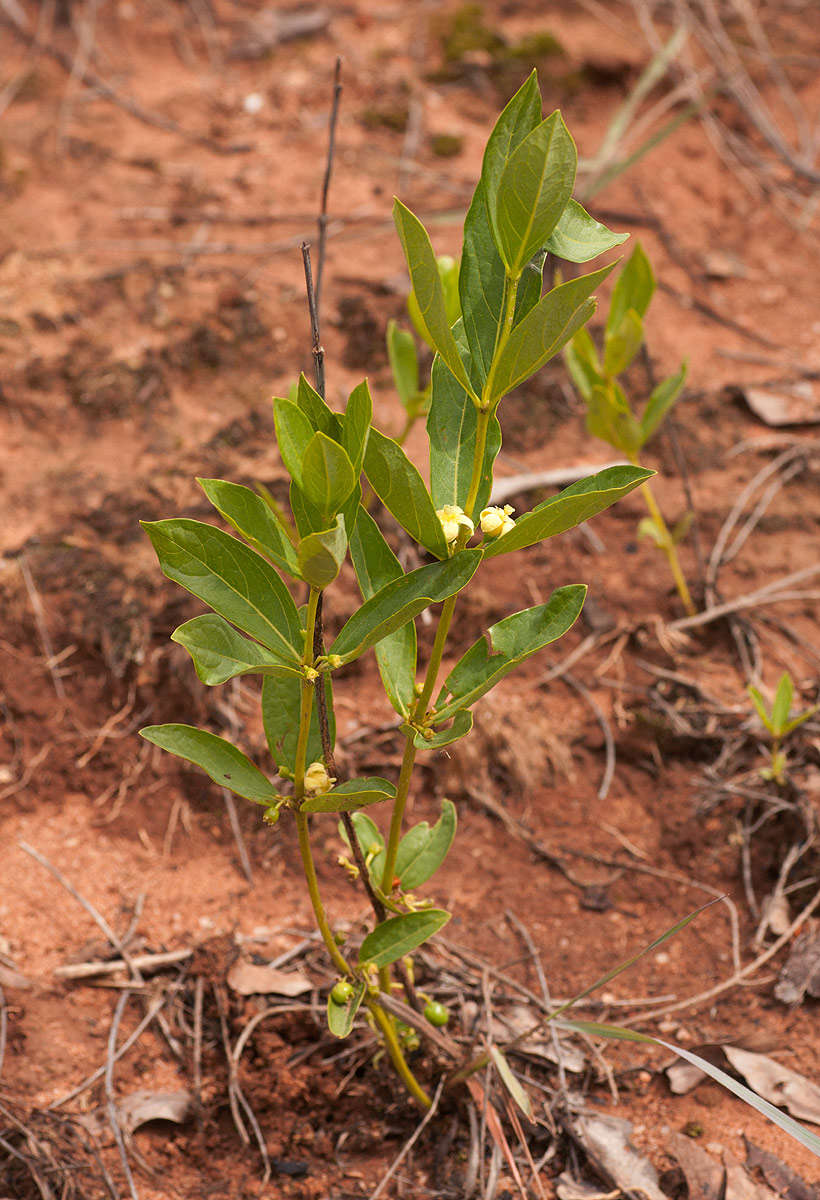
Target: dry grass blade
410	1143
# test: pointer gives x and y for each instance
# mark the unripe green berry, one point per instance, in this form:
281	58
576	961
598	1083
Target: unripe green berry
436	1013
342	992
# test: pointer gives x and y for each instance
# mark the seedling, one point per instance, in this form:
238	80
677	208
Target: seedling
779	723
609	413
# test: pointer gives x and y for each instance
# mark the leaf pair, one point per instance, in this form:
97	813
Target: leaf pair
777	720
421	851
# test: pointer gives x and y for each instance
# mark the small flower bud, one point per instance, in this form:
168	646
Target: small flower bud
453	520
334	661
497	521
310	674
317	780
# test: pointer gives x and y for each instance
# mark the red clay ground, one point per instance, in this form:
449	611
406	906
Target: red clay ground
152	303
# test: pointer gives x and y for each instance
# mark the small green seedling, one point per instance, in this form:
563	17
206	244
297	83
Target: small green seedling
779	723
609	413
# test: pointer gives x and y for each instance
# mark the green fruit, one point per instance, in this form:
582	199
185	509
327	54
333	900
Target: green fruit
436	1013
342	992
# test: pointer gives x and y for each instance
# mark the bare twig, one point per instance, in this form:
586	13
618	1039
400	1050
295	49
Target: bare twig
236	830
142	963
331	146
318	349
772	593
113	1116
609	741
42	628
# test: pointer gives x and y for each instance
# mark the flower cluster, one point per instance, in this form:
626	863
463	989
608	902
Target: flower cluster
497	521
453	520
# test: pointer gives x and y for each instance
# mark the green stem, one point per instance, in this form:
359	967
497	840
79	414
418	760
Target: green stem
669	549
388	1032
315	896
501	337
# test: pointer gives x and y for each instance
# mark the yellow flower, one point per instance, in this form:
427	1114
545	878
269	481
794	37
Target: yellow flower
497	521
317	780
453	520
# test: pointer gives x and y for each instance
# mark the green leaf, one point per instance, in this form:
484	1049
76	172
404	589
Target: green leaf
403	599
254	520
799	1132
327	475
424	275
356	425
351	795
321	417
799	719
582	363
218	758
422	850
400	487
660	402
623	343
281	699
610	418
518	119
404	362
231	579
783	698
448	274
544	330
376	565
513	640
633	289
293	434
460	727
321	554
398	936
534	189
370	842
578	237
340	1017
760	705
569	508
452	425
510	1082
220	653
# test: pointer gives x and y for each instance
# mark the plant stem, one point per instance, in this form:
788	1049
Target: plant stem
501	338
315	897
388	1032
669	549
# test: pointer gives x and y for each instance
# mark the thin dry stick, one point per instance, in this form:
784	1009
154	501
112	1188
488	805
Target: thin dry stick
96	916
410	1143
138	962
773	593
236	830
42	628
199	995
609	741
3	1028
110	1096
331	147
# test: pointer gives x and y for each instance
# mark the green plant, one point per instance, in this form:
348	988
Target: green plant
609	413
779	723
506	331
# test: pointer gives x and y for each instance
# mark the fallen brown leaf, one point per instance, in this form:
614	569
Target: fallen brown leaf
251	979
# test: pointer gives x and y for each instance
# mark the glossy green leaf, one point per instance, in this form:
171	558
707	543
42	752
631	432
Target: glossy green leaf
321	417
435	739
661	401
306	516
424	275
404	362
633	289
400	487
448	274
610	418
218	758
328	477
451	428
512	640
398	936
293	435
403	599
623	343
799	1132
760	706
569	508
422	850
231	579
376	565
340	1017
578	237
281	698
254	519
534	189
582	363
219	653
321	554
356	425
510	1082
350	795
543	332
